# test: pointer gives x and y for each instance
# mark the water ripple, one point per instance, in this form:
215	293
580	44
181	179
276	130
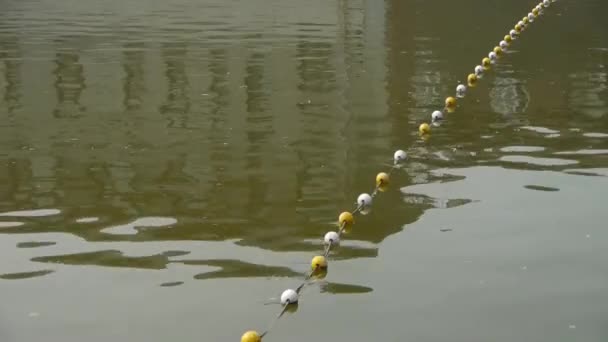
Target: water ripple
143	222
32	213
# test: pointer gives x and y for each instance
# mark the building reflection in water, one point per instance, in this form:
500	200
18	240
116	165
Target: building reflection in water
134	80
69	84
11	60
177	103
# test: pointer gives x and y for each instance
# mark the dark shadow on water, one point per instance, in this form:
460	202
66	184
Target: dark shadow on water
172	284
34	244
107	258
25	275
540	188
238	269
170	254
339	288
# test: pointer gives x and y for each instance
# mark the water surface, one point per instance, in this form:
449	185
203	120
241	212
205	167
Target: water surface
166	168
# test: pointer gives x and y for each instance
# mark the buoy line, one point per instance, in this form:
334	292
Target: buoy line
319	263
492	58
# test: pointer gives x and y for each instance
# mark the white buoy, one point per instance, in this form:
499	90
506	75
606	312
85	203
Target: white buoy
436	116
479	71
289	296
400	156
364	200
522	24
513	34
531	17
332	238
492	56
461	90
546	3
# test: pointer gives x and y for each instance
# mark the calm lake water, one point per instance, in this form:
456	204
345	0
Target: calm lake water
167	167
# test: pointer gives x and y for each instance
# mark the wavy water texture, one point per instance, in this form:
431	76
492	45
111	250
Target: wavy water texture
169	168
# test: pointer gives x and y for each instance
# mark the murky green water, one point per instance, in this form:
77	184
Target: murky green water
167	167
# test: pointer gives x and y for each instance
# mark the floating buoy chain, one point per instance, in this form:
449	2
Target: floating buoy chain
486	64
319	263
364	201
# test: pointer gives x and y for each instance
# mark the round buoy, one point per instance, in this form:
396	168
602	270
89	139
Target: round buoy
461	90
472	80
424	128
332	238
436	116
251	336
364	200
399	156
531	17
513	34
382	179
346	219
486	62
479	70
508	38
498	51
289	296
492	56
525	20
450	102
546	3
535	11
318	263
518	28
503	45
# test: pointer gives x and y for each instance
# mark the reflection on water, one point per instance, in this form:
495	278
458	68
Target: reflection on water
69	84
219	140
24	275
9	54
134	86
509	97
177	103
588	97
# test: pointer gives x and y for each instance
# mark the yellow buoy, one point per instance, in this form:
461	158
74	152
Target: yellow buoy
450	103
486	62
318	263
525	20
535	11
320	273
518	28
508	39
424	128
381	179
498	51
251	336
472	80
346	219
